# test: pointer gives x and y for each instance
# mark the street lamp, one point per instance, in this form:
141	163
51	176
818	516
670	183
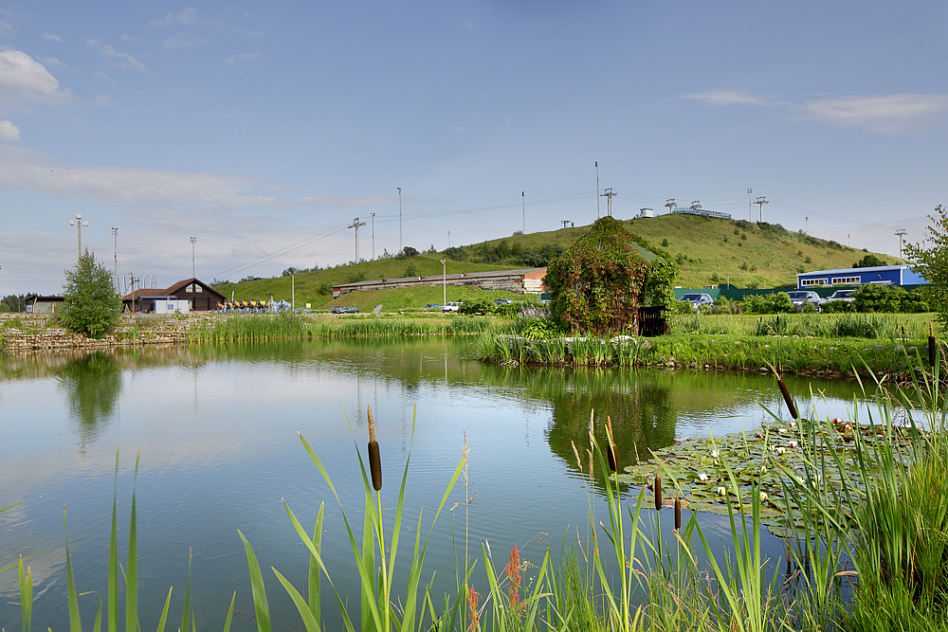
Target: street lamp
444	281
399	219
193	239
79	224
373	236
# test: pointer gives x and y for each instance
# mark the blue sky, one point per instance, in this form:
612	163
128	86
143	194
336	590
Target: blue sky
263	129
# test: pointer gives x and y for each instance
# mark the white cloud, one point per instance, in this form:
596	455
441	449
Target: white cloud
53	62
183	40
51	36
6	28
9	133
886	113
186	16
23	79
26	170
728	97
882	113
242	57
122	60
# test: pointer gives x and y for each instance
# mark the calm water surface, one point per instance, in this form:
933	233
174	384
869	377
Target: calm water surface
216	430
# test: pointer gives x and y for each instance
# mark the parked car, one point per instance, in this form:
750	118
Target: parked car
432	306
503	301
451	307
842	295
799	299
348	309
697	300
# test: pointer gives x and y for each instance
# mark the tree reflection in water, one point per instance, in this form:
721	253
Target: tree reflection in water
92	383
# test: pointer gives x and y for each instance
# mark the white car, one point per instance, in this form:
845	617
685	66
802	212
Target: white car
842	295
801	298
451	307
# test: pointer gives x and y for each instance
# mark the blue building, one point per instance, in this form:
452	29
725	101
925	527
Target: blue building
884	275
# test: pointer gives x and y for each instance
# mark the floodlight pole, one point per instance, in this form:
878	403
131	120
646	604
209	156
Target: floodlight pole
78	223
523	199
373	236
598	215
193	239
115	235
761	201
399	219
444	281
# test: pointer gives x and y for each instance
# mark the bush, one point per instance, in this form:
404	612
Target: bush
92	306
477	306
456	254
839	307
873	297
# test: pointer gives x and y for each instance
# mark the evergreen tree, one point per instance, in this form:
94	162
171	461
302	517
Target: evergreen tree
92	306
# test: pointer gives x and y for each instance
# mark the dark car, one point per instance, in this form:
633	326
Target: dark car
349	309
503	301
432	306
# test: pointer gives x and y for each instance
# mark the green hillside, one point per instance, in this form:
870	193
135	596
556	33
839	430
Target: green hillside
709	251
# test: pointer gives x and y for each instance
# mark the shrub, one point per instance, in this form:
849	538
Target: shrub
477	306
92	306
872	297
838	307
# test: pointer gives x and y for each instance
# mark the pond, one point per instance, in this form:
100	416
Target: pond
215	430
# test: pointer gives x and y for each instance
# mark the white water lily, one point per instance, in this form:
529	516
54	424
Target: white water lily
722	491
794	444
715	454
763	497
763	469
792	424
782	430
702	477
781	450
800	480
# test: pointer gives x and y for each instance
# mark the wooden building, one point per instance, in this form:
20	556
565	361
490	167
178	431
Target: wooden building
200	296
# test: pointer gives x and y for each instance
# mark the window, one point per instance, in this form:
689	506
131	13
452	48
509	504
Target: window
809	282
850	280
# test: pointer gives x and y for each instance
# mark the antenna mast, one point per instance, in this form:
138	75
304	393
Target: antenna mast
609	194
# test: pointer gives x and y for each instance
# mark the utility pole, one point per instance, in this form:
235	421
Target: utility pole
609	194
565	222
449	239
524	201
900	232
598	215
399	219
355	224
115	235
761	201
670	204
750	205
193	239
373	236
806	225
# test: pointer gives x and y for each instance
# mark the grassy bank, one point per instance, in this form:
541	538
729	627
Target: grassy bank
799	343
865	545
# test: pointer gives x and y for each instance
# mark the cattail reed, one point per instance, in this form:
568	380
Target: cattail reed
658	493
613	449
787	398
375	461
932	348
677	512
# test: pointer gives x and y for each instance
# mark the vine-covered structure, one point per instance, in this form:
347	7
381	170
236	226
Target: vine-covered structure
598	284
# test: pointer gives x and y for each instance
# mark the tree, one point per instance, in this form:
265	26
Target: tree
931	262
92	305
869	261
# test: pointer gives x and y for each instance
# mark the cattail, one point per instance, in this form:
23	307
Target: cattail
677	513
932	349
787	398
613	450
658	493
375	461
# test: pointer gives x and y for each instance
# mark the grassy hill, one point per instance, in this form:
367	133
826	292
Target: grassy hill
709	251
